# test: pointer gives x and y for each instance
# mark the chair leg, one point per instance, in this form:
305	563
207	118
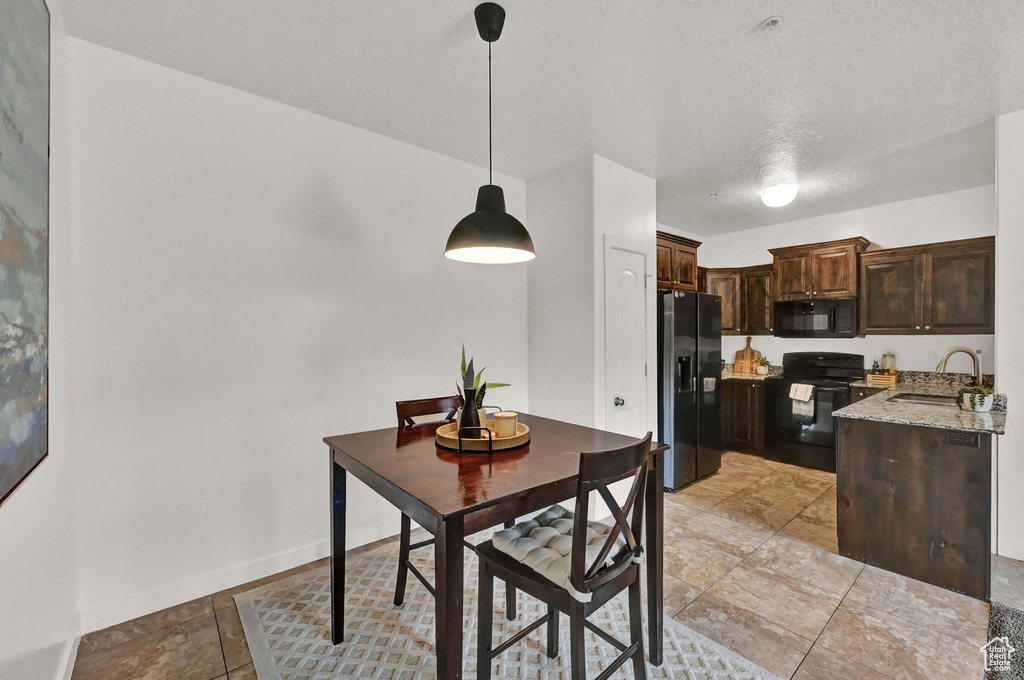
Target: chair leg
577	651
510	591
636	632
485	618
403	558
552	632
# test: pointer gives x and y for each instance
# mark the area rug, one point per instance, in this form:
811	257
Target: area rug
287	626
1007	623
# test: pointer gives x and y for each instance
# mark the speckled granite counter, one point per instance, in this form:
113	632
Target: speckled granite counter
729	375
878	407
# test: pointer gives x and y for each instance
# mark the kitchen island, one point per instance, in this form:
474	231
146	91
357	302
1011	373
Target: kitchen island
914	486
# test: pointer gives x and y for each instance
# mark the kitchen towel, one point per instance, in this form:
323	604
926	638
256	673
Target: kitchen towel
803	403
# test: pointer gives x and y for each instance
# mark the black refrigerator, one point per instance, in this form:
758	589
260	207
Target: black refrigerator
689	384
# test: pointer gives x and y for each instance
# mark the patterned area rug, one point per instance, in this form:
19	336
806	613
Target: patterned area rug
287	627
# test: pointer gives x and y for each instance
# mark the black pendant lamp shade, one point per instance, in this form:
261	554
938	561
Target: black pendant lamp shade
489	235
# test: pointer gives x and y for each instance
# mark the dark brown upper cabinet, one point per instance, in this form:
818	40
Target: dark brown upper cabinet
757	310
726	283
677	262
746	294
817	270
934	289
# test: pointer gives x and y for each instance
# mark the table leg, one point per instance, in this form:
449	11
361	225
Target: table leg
337	552
655	557
449	583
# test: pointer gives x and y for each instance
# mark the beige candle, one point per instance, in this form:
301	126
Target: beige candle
505	423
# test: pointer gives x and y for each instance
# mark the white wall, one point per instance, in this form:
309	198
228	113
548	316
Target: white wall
944	217
249	278
38	600
1010	327
561	294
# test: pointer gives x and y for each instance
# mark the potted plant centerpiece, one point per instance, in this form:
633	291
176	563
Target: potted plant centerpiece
473	390
762	366
975	399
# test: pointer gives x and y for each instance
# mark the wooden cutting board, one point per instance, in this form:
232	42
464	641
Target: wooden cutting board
746	359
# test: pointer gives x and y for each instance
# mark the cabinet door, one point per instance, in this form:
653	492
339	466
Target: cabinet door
684	267
959	291
890	295
756	304
793	276
833	272
665	279
727	286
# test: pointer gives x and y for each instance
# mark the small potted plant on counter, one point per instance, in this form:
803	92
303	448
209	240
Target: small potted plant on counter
975	399
762	366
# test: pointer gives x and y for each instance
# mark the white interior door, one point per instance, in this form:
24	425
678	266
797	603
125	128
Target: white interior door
625	321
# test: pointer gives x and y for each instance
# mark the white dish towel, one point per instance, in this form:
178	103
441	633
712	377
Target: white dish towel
801	392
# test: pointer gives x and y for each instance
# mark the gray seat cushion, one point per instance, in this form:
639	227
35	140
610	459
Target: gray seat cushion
544	544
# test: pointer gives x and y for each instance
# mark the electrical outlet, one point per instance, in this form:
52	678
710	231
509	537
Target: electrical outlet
933	357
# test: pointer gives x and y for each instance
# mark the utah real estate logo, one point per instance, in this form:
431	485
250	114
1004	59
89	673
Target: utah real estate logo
998	654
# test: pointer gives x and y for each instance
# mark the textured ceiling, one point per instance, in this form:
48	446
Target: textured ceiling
861	102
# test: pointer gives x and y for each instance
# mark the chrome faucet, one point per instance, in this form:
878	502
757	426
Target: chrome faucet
941	368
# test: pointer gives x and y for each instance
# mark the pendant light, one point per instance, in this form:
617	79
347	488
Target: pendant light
489	235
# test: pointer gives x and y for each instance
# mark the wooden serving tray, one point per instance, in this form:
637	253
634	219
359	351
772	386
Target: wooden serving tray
447	437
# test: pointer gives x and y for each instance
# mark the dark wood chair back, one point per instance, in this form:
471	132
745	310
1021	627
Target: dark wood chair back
597	470
407	410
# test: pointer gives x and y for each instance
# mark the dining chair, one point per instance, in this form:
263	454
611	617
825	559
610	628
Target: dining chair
407	410
574	565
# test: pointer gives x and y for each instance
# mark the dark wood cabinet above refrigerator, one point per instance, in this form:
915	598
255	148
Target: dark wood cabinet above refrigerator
677	262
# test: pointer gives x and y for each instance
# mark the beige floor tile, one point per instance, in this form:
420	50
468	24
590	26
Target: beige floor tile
757	512
677	595
232	638
808	531
185	651
756	462
727	483
129	630
733	537
1008	581
698	496
822	664
744	472
781	599
823	509
243	673
806	562
898	648
694	561
676	513
941	610
766	644
787	486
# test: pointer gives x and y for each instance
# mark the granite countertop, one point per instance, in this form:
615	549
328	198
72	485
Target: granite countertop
729	375
878	407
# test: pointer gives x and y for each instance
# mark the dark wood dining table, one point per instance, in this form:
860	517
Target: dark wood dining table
454	495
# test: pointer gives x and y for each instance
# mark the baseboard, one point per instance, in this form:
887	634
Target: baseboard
1013	549
70	655
172	594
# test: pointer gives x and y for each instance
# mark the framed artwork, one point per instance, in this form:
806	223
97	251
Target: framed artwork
24	238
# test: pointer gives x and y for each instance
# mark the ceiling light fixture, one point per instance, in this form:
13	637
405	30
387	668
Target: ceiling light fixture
490	235
779	195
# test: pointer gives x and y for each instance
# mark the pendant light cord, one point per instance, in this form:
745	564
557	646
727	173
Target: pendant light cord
490	122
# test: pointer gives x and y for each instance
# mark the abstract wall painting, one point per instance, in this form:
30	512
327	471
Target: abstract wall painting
24	238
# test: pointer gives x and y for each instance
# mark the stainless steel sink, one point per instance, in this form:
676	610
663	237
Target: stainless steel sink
924	399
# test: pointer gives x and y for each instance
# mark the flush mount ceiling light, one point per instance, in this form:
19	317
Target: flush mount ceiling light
779	195
489	235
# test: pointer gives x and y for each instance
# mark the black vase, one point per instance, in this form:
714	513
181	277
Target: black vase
470	416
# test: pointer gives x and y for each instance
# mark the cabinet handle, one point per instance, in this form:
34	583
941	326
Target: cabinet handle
917	327
927	327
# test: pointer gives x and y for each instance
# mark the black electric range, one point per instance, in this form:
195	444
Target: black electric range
805	433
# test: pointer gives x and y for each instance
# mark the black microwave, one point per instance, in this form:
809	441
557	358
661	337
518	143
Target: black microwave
836	318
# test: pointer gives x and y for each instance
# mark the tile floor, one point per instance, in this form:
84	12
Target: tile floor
750	562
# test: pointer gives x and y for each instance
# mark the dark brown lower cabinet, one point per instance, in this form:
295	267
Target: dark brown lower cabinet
917	501
861	393
743	414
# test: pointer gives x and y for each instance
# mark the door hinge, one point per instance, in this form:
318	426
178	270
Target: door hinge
645	370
